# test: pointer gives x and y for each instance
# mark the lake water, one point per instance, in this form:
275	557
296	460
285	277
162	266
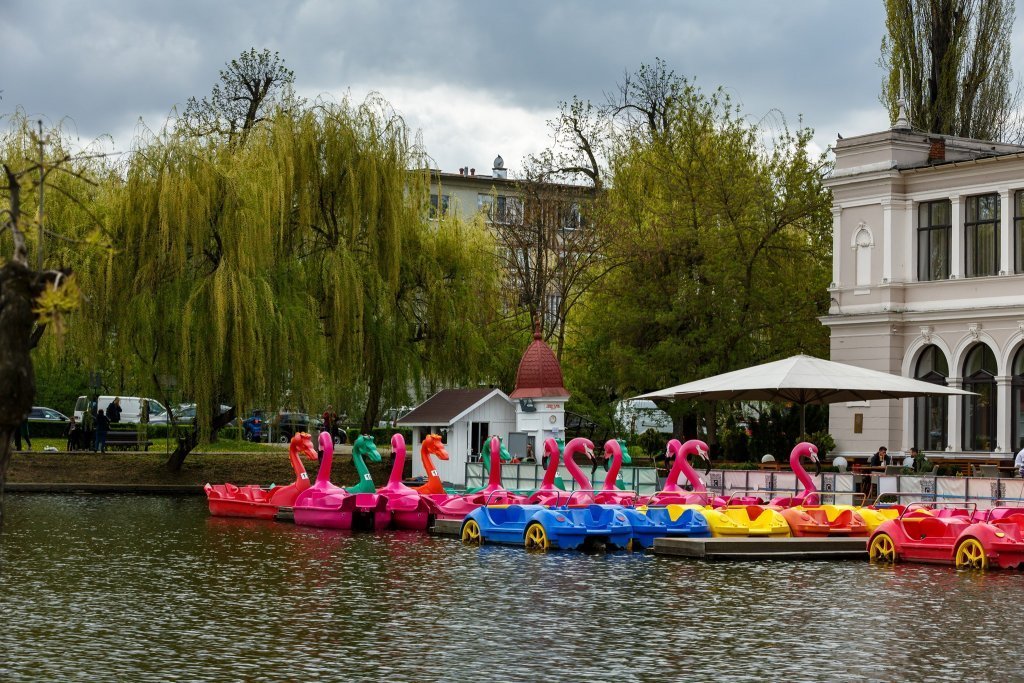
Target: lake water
126	588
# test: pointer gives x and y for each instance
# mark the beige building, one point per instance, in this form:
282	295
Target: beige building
467	192
928	270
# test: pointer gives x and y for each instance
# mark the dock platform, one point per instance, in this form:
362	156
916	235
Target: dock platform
447	527
745	548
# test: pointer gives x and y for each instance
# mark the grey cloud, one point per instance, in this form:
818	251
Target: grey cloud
107	62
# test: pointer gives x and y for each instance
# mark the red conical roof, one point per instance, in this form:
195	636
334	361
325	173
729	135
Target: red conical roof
539	373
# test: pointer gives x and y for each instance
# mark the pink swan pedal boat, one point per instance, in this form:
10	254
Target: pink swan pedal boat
406	507
229	500
328	506
456	507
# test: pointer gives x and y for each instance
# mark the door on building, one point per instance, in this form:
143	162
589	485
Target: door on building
478	433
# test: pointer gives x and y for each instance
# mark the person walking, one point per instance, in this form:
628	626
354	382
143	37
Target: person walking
102	425
1018	462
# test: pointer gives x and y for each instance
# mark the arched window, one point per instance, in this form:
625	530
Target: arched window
980	411
930	412
1017	437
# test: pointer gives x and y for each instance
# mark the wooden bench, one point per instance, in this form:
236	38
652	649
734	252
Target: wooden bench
127	440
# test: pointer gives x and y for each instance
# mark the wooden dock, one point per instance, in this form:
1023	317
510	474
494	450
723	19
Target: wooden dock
744	548
447	527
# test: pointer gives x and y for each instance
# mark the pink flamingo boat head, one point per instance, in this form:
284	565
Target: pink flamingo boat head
432	446
494	476
323	475
548	493
673	493
578	445
809	495
610	493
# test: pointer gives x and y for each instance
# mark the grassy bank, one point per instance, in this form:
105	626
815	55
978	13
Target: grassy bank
149	468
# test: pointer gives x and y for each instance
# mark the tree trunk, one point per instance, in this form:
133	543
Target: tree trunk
187	443
372	403
6	434
18	289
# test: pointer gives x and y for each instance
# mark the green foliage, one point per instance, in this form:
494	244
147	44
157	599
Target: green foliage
299	261
950	62
724	246
652	442
822	439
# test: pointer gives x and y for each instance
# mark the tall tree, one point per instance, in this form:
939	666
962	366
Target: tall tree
950	61
723	242
37	289
252	86
299	263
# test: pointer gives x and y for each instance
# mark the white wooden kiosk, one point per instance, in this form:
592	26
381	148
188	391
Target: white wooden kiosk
464	418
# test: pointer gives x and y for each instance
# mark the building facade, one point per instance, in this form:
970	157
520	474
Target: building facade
928	282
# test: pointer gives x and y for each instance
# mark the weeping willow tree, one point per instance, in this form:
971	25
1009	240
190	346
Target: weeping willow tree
291	268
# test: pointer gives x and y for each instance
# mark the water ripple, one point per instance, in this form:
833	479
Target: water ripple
113	588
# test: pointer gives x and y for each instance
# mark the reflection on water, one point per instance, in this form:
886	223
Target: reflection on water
148	588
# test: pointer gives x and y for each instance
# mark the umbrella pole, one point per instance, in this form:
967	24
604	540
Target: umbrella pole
803	418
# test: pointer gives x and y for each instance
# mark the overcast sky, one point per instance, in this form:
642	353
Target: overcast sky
476	78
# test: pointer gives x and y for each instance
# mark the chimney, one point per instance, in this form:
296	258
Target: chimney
462	170
472	171
936	150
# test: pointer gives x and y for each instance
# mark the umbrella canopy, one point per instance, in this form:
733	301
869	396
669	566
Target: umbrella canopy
802	380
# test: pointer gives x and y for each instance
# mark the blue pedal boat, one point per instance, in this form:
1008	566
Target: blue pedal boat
659	522
538	527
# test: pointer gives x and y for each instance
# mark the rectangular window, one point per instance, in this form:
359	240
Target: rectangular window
934	227
439	202
981	235
1018	232
485	203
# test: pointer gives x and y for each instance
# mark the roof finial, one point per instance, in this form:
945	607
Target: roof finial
902	120
536	328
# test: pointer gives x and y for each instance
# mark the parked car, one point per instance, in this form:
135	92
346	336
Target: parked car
47	415
287	424
187	411
131	408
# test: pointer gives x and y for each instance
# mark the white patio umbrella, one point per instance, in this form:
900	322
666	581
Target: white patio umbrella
803	379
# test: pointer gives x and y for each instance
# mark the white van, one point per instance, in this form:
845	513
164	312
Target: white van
131	408
637	416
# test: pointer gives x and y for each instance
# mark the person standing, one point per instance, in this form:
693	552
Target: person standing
329	417
73	433
22	433
102	425
1018	462
114	410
